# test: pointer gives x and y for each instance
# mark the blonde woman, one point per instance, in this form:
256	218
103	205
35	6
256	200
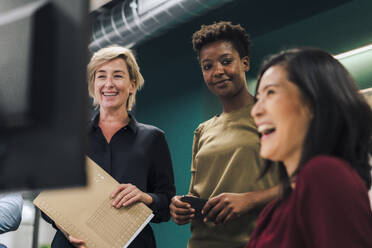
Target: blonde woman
135	154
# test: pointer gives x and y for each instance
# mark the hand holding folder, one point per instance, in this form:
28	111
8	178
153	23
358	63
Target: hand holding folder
87	213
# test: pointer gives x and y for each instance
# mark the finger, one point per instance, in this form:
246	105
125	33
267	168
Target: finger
183	211
75	241
214	211
180	207
122	195
118	203
182	219
210	204
118	190
130	199
220	218
229	217
176	200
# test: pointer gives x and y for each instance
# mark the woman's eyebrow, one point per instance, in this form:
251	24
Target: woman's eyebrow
270	85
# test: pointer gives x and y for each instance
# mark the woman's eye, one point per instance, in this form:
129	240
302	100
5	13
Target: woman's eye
270	92
118	76
101	76
226	61
206	67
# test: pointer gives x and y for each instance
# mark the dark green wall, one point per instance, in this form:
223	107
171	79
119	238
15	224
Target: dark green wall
176	100
337	30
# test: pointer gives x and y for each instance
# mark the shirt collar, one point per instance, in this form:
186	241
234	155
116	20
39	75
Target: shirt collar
132	125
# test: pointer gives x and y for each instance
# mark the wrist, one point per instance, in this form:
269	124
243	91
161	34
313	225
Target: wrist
262	197
148	199
252	199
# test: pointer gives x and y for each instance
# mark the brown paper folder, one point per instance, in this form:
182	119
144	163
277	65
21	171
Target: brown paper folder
86	213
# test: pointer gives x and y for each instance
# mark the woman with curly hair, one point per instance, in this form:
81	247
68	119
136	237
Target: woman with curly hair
225	156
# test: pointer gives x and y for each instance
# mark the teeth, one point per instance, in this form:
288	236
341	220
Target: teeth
265	127
110	94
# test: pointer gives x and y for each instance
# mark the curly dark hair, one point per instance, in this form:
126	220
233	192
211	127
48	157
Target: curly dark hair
222	30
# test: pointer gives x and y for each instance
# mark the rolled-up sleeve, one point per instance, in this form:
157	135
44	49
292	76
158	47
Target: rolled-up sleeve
10	211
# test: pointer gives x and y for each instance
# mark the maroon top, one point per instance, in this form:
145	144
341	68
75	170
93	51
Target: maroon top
329	207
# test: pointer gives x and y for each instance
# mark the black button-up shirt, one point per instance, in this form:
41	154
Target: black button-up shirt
137	154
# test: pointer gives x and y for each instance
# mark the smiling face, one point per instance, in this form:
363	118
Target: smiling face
282	118
223	69
112	85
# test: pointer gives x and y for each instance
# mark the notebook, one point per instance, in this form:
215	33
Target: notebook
86	213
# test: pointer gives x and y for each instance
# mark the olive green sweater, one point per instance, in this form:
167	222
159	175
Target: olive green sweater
225	158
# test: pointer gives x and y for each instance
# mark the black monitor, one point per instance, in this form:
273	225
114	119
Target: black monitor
43	93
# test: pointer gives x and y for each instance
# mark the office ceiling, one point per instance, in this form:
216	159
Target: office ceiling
257	16
263	16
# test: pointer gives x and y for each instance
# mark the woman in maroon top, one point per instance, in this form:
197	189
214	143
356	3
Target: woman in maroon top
316	126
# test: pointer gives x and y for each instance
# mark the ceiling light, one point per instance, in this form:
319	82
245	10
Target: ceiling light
353	52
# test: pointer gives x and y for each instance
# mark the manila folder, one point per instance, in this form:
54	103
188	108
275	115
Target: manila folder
87	212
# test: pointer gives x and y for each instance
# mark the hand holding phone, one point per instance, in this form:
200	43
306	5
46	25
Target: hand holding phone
196	203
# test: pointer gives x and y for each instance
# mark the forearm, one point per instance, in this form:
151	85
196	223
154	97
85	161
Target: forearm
262	197
10	212
160	207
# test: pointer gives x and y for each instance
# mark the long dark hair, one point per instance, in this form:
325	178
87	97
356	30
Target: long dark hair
342	120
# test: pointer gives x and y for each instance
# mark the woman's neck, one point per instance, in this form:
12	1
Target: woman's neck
291	166
112	121
237	102
118	116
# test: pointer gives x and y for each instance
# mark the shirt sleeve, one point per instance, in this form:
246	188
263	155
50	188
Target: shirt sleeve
332	205
49	220
161	180
195	148
10	211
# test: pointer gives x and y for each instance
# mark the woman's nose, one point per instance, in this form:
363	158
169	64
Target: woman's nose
257	109
219	70
109	81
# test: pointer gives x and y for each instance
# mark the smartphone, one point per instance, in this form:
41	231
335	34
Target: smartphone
196	203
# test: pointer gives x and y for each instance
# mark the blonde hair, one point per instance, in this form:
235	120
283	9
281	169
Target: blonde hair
107	54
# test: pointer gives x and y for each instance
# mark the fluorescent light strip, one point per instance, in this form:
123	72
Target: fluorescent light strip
353	52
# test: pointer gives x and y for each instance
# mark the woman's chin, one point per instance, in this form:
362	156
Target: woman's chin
110	106
266	155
